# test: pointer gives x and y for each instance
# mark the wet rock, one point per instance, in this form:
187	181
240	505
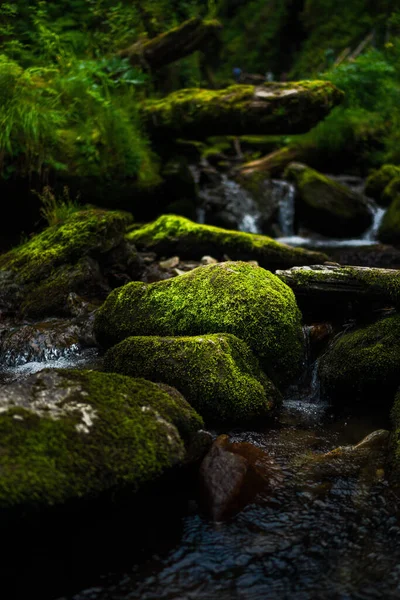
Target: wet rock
69	435
40	342
171	234
217	373
170	263
326	206
208	260
86	255
232	474
204	301
222	476
362	366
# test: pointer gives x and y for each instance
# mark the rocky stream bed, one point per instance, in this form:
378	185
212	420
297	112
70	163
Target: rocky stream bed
173	427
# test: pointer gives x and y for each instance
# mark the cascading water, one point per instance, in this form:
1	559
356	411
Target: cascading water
285	194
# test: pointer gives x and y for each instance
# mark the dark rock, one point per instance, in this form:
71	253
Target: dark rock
326	206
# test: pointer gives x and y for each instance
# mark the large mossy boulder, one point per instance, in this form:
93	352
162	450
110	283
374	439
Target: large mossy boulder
326	206
230	297
269	108
363	366
66	435
81	255
379	180
389	230
217	373
172	235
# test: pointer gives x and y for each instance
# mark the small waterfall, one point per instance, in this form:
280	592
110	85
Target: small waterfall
377	212
285	194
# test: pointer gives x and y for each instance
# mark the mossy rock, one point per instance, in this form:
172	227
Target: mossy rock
66	435
230	297
327	206
395	440
65	258
217	374
172	235
363	366
378	181
270	108
389	230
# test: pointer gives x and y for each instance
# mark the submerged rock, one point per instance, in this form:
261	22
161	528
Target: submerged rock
230	297
216	373
171	234
326	206
363	366
365	460
67	435
77	256
378	181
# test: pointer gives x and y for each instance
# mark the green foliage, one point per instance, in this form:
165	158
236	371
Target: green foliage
57	209
369	112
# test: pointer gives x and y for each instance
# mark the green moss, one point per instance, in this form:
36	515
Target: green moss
395	439
62	259
236	298
327	206
272	108
217	373
363	366
171	234
378	180
91	231
49	453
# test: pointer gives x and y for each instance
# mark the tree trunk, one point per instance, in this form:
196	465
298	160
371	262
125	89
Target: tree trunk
172	45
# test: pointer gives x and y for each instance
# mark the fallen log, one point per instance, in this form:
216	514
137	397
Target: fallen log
271	108
333	287
172	45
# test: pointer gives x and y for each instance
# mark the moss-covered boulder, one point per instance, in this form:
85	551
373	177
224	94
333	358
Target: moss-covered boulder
378	180
217	373
389	230
81	255
230	297
327	206
66	435
363	366
173	235
270	108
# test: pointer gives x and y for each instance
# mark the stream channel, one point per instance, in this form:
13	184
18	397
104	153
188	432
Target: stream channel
328	533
